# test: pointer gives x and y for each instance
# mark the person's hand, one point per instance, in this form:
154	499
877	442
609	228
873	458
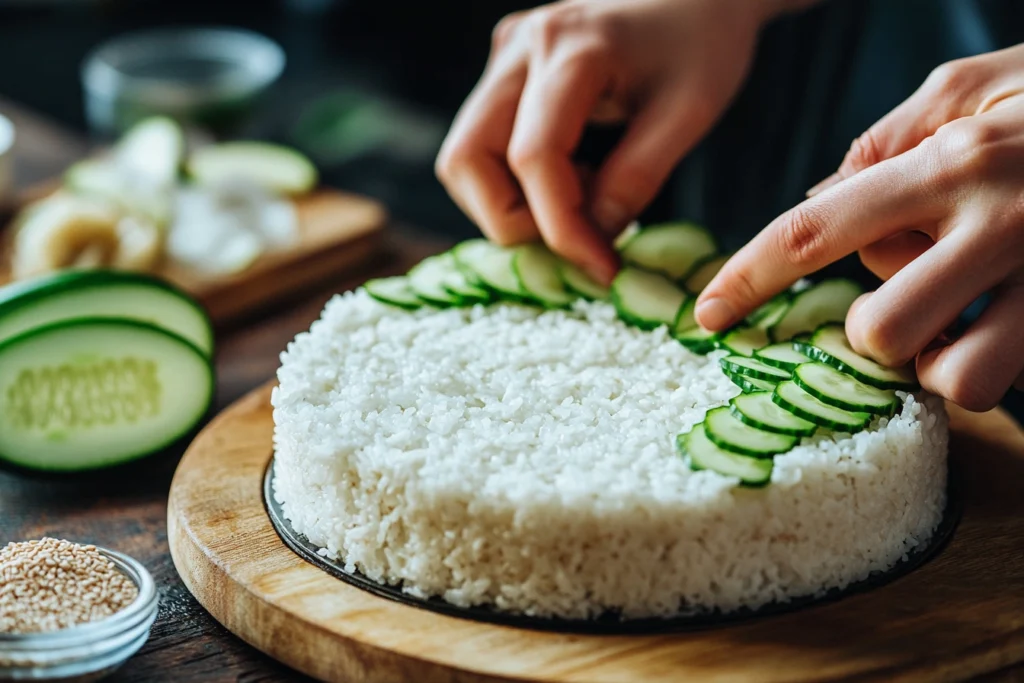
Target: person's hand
669	67
932	196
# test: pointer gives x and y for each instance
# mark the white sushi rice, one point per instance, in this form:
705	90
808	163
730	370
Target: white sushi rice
525	459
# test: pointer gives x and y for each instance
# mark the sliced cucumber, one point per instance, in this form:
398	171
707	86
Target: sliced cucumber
427	278
797	401
536	269
751	367
646	300
825	302
394	291
458	284
100	293
691	335
769	314
730	433
281	170
704	272
743	341
91	393
152	148
628	233
703	454
782	355
760	411
105	179
491	265
750	385
840	390
671	249
830	346
575	280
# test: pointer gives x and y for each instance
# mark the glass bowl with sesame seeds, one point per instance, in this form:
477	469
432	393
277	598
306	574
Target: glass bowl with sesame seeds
70	612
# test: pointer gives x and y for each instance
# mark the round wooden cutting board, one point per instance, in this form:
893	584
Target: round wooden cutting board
960	615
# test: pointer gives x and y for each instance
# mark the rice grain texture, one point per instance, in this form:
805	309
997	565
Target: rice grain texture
524	459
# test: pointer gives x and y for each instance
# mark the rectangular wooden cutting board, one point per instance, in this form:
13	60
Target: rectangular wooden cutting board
337	232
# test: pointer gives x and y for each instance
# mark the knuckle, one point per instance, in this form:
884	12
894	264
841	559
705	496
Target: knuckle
952	78
450	160
803	237
503	30
968	146
864	152
523	156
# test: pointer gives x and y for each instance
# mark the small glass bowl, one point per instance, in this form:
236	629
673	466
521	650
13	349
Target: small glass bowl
211	77
6	158
90	651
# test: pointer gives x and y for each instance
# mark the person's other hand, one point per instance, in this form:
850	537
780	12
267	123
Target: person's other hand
932	197
668	67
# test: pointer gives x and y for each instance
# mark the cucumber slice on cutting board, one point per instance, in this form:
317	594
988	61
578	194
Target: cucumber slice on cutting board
838	389
829	345
575	280
281	170
825	302
671	249
646	300
152	148
782	355
491	266
394	291
537	271
105	179
760	411
93	392
730	433
99	293
703	454
704	272
797	401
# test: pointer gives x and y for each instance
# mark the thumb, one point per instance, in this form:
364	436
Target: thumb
656	139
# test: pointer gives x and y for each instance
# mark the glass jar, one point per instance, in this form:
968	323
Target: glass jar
89	651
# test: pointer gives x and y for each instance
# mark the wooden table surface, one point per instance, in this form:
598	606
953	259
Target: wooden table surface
128	511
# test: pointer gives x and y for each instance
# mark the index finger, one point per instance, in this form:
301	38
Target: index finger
876	203
556	104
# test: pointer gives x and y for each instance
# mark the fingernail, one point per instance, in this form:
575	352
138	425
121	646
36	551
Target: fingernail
824	184
609	215
715	313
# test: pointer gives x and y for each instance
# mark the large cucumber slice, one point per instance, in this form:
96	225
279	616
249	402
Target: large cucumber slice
671	249
704	272
427	279
730	433
705	455
838	389
830	346
797	401
281	170
751	385
394	291
100	293
782	355
770	313
153	148
743	341
92	393
646	300
536	268
575	280
760	411
491	265
825	302
750	367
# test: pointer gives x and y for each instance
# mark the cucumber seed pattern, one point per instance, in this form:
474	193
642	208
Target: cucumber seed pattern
73	395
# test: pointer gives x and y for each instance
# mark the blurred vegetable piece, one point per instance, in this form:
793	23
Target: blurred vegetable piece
271	167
